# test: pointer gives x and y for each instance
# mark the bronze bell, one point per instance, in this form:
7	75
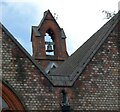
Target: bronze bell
49	48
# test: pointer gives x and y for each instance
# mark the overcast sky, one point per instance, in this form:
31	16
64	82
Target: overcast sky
80	19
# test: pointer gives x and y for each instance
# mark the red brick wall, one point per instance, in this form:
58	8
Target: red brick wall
96	89
98	85
26	79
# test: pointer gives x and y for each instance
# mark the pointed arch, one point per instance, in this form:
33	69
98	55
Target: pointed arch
49	42
10	98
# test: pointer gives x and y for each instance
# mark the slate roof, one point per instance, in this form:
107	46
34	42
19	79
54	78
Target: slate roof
70	70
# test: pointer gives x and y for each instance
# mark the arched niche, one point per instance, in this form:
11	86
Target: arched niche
10	100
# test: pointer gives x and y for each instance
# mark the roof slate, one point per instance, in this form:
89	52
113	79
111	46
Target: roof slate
70	70
74	65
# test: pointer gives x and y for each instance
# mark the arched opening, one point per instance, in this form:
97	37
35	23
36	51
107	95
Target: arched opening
49	43
9	100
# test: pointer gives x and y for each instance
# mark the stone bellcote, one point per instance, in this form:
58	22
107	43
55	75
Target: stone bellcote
48	41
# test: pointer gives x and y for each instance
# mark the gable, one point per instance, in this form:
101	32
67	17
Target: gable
7	36
20	72
50	23
48	16
95	88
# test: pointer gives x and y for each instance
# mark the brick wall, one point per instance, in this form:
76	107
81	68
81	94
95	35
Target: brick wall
98	86
96	89
0	53
34	90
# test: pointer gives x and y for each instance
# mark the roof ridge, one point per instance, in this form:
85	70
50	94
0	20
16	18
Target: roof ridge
102	33
100	42
96	46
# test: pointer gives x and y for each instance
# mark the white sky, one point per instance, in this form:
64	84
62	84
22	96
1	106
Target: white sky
80	19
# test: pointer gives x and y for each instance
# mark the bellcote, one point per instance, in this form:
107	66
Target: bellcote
48	39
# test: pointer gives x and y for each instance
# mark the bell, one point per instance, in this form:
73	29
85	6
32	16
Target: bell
49	48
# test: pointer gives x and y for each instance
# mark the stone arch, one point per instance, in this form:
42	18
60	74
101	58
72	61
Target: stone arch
10	98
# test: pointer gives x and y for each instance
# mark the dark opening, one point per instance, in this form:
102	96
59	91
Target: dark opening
65	104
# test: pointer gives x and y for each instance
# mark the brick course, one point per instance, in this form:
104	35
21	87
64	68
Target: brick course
99	82
96	89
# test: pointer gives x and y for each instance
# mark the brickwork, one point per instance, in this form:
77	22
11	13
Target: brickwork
0	57
38	43
28	82
96	89
98	85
